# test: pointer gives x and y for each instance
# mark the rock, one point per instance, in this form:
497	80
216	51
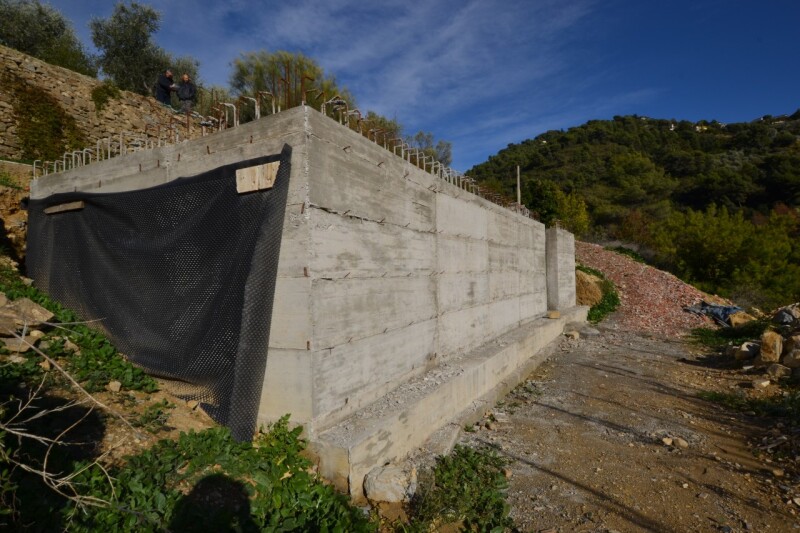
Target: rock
747	350
71	346
192	404
588	331
508	473
777	372
36	333
778	472
771	348
390	483
792	359
553	314
45	365
680	443
18	344
114	386
730	350
667	441
572	334
29	312
784	317
17	359
760	383
740	317
791	343
588	288
3	299
8	326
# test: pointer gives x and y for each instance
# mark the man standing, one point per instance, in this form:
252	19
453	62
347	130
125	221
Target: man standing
164	86
186	93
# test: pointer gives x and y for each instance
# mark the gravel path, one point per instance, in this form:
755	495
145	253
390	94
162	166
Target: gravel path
585	434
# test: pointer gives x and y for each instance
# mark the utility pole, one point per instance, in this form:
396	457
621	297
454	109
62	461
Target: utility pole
519	192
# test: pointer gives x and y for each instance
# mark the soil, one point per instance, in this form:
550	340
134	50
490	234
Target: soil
584	439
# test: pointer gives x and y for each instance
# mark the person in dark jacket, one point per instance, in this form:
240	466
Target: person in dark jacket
186	93
164	86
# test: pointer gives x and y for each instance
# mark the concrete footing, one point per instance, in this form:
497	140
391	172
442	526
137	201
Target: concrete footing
401	422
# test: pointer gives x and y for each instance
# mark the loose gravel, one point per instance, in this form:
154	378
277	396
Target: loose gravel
652	300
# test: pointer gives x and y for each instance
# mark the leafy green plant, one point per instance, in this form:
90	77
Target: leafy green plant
6	180
45	129
206	481
720	337
633	254
103	93
466	487
155	416
610	301
98	361
779	406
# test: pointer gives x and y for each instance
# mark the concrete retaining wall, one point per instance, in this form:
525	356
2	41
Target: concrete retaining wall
385	270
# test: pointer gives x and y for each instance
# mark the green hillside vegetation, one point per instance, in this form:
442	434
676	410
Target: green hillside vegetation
717	204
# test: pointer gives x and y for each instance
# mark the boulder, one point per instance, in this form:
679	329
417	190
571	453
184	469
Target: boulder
791	344
27	312
747	351
777	372
771	348
740	317
792	359
19	344
783	317
390	483
588	288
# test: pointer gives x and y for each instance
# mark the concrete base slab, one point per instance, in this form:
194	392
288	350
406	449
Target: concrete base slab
402	421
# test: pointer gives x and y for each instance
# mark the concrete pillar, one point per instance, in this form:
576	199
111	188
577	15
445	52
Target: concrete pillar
560	258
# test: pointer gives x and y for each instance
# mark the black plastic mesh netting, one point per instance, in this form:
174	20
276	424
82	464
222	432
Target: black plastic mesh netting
180	276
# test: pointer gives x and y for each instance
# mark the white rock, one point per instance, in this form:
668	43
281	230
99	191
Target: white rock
390	483
747	350
114	386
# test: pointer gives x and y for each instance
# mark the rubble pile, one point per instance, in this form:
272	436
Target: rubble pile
651	300
778	349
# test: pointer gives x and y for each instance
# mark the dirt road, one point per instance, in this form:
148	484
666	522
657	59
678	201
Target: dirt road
584	437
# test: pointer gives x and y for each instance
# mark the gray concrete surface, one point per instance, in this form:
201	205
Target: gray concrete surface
386	272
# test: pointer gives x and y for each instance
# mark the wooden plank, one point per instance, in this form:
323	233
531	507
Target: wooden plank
61	208
256	178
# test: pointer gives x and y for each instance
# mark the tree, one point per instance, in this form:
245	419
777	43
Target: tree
442	151
42	32
128	54
291	78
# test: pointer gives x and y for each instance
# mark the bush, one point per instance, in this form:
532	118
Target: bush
610	301
103	93
466	487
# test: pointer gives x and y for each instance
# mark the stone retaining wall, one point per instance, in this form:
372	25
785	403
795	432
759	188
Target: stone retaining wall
73	93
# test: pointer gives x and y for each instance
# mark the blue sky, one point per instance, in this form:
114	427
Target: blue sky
483	74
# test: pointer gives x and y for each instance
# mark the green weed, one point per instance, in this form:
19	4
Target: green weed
467	488
786	405
633	254
155	416
610	301
720	337
98	361
206	481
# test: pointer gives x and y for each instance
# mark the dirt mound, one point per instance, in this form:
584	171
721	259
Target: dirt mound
651	300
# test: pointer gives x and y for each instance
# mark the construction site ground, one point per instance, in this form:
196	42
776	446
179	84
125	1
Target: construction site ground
611	434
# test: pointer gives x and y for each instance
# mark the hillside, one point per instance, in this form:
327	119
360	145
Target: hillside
634	162
716	204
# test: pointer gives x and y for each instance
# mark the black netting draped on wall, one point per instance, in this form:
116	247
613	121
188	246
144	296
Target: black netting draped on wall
180	276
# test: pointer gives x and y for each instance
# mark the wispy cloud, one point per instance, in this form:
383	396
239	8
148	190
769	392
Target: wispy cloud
479	73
